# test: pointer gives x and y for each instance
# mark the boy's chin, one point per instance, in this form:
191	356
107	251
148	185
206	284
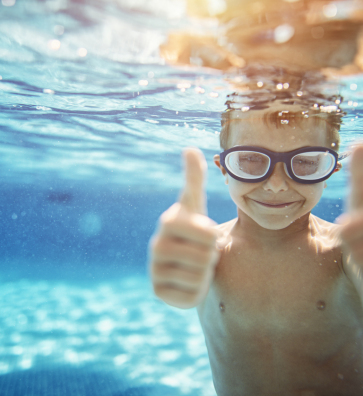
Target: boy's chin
274	224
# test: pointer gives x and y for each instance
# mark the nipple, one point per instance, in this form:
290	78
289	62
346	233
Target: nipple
222	307
320	305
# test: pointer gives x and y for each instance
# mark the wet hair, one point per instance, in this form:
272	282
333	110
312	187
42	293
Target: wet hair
280	118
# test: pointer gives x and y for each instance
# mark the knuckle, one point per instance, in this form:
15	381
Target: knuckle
162	247
190	298
206	256
160	272
168	226
211	236
159	290
156	245
197	278
170	216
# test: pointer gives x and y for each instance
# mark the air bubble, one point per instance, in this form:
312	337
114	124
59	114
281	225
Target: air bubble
82	52
283	33
330	10
54	45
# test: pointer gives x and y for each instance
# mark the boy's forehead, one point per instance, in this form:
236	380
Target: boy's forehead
252	130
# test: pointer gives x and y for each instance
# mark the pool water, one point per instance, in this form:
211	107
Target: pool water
93	122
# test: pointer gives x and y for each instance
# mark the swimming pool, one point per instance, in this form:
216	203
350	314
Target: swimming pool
92	126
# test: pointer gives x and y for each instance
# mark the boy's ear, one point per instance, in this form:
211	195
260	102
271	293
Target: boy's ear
338	167
217	161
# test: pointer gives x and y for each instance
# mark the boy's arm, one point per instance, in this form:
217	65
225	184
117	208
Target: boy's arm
352	230
183	251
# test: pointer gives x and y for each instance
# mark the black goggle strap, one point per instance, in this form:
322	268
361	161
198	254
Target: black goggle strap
344	155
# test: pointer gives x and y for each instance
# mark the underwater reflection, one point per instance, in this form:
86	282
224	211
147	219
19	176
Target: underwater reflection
303	35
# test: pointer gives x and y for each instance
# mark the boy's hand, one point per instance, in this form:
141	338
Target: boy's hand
352	231
183	250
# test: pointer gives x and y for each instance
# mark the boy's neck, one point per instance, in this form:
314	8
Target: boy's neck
247	228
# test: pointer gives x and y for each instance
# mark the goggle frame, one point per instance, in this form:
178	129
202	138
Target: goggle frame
286	158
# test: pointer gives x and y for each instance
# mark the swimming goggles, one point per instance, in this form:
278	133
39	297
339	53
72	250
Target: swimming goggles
306	165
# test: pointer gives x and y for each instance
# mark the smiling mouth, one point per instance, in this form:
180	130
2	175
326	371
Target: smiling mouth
275	204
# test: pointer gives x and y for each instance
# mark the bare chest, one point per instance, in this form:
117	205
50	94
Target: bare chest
278	287
283	318
289	293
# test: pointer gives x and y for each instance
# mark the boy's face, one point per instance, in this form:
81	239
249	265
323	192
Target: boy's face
278	201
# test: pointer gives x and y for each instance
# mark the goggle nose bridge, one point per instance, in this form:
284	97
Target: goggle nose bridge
274	162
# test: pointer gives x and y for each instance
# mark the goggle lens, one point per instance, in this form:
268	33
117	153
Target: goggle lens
313	165
248	164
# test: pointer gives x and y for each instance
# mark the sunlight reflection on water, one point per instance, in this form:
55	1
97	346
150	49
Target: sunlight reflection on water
110	326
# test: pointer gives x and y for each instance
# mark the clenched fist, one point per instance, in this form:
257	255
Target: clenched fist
183	250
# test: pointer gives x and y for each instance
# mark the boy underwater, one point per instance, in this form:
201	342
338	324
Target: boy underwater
278	291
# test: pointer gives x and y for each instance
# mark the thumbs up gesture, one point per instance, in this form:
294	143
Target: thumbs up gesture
183	251
352	230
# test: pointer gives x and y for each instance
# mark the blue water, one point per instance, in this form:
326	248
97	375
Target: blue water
92	124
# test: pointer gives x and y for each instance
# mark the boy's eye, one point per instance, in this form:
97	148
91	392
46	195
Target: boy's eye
251	158
306	162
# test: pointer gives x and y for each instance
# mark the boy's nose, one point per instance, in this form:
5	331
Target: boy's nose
277	182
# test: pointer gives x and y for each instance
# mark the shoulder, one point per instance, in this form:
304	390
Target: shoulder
225	235
227	226
324	228
327	238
